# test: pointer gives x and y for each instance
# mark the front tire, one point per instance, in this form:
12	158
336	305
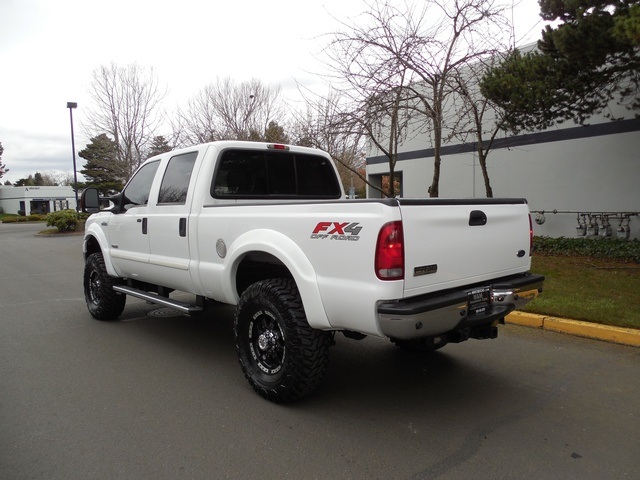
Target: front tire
103	302
283	358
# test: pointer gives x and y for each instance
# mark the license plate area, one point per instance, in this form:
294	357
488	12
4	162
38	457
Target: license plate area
478	301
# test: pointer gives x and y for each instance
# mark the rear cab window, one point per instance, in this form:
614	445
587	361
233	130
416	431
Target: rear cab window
246	174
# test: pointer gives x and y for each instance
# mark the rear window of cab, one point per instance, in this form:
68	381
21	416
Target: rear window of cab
260	174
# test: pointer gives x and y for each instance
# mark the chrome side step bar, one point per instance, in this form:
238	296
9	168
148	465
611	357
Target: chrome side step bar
159	299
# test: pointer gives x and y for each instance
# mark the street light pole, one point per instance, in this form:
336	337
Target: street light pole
71	106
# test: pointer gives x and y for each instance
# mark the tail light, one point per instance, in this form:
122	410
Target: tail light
530	236
389	262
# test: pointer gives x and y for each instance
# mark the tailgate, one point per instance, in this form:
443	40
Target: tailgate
452	243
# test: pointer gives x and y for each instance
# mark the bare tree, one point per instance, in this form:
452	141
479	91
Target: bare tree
466	32
3	169
57	178
321	126
480	123
409	53
374	83
127	106
225	110
63	178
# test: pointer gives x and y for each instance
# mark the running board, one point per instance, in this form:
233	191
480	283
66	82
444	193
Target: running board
159	299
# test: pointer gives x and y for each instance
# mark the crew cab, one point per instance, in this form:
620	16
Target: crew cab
267	228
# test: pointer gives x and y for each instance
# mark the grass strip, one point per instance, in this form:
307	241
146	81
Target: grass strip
588	289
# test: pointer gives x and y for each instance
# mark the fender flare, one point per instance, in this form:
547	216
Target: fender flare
93	230
292	256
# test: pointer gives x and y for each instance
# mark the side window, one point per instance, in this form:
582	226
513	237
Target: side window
175	183
137	190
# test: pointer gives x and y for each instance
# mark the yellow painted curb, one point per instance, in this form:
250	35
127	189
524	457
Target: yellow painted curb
526	319
625	336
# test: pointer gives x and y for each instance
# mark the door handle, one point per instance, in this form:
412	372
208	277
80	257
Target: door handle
144	226
182	227
477	218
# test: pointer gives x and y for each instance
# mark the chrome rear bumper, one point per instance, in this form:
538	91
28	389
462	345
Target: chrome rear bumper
448	311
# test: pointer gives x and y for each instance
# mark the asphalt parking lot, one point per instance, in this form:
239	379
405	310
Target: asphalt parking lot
159	395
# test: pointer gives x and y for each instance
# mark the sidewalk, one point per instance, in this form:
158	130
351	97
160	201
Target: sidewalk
624	336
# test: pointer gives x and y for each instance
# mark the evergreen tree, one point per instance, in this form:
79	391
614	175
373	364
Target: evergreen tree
102	171
589	59
159	145
25	182
38	180
628	28
275	133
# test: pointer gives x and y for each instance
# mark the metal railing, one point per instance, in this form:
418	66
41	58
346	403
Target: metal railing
595	224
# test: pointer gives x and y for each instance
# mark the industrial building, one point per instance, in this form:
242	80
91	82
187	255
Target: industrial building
578	180
28	200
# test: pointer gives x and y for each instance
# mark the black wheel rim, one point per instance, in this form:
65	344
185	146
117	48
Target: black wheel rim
266	342
94	287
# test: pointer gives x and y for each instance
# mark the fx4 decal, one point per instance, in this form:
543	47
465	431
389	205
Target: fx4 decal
337	231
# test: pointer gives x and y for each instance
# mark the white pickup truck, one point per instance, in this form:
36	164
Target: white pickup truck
266	227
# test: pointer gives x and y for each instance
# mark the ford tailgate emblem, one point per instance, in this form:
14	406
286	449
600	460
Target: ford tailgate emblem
425	270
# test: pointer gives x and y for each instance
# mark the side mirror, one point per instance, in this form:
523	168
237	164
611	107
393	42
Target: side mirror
90	200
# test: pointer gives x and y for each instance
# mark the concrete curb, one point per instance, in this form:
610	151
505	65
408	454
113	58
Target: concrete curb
624	336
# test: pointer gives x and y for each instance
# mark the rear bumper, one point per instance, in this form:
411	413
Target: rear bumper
448	311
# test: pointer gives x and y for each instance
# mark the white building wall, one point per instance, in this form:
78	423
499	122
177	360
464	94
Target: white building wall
598	174
568	168
56	198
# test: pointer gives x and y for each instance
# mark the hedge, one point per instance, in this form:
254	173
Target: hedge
602	248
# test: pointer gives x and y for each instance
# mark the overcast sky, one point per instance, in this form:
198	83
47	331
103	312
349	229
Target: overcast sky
49	49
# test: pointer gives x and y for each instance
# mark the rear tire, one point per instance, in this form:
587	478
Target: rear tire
282	357
103	302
